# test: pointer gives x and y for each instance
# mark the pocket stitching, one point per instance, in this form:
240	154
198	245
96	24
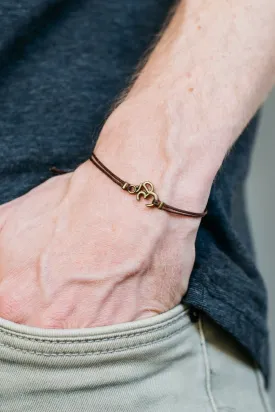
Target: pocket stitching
49	340
65	354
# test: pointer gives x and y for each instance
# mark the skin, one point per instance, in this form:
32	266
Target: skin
78	251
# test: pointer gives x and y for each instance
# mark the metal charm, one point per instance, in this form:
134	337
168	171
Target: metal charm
145	189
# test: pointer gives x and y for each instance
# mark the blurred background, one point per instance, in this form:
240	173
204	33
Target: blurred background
261	208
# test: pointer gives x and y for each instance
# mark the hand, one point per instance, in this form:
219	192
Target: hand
77	251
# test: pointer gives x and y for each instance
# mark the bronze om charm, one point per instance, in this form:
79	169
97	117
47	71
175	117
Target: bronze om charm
145	189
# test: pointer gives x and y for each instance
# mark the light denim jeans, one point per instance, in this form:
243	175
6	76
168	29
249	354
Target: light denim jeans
161	364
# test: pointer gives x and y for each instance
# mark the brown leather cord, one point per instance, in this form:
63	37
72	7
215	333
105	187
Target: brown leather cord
57	171
138	190
143	190
94	159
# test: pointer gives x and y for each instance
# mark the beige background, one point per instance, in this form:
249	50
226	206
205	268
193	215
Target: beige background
261	207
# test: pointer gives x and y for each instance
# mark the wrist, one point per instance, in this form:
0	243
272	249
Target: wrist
137	148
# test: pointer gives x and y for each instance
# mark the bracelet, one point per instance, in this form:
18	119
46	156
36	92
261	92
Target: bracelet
145	189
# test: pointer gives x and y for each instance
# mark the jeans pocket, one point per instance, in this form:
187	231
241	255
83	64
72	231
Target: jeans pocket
108	368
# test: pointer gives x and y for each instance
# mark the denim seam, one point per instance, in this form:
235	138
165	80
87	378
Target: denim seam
263	396
123	349
79	340
207	368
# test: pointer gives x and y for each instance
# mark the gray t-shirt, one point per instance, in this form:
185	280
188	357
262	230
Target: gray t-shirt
62	65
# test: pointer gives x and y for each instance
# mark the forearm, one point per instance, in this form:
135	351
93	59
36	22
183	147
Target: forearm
208	74
80	252
214	65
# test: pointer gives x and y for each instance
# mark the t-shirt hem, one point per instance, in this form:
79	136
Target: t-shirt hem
204	295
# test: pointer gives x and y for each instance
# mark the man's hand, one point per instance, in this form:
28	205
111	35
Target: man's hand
78	251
